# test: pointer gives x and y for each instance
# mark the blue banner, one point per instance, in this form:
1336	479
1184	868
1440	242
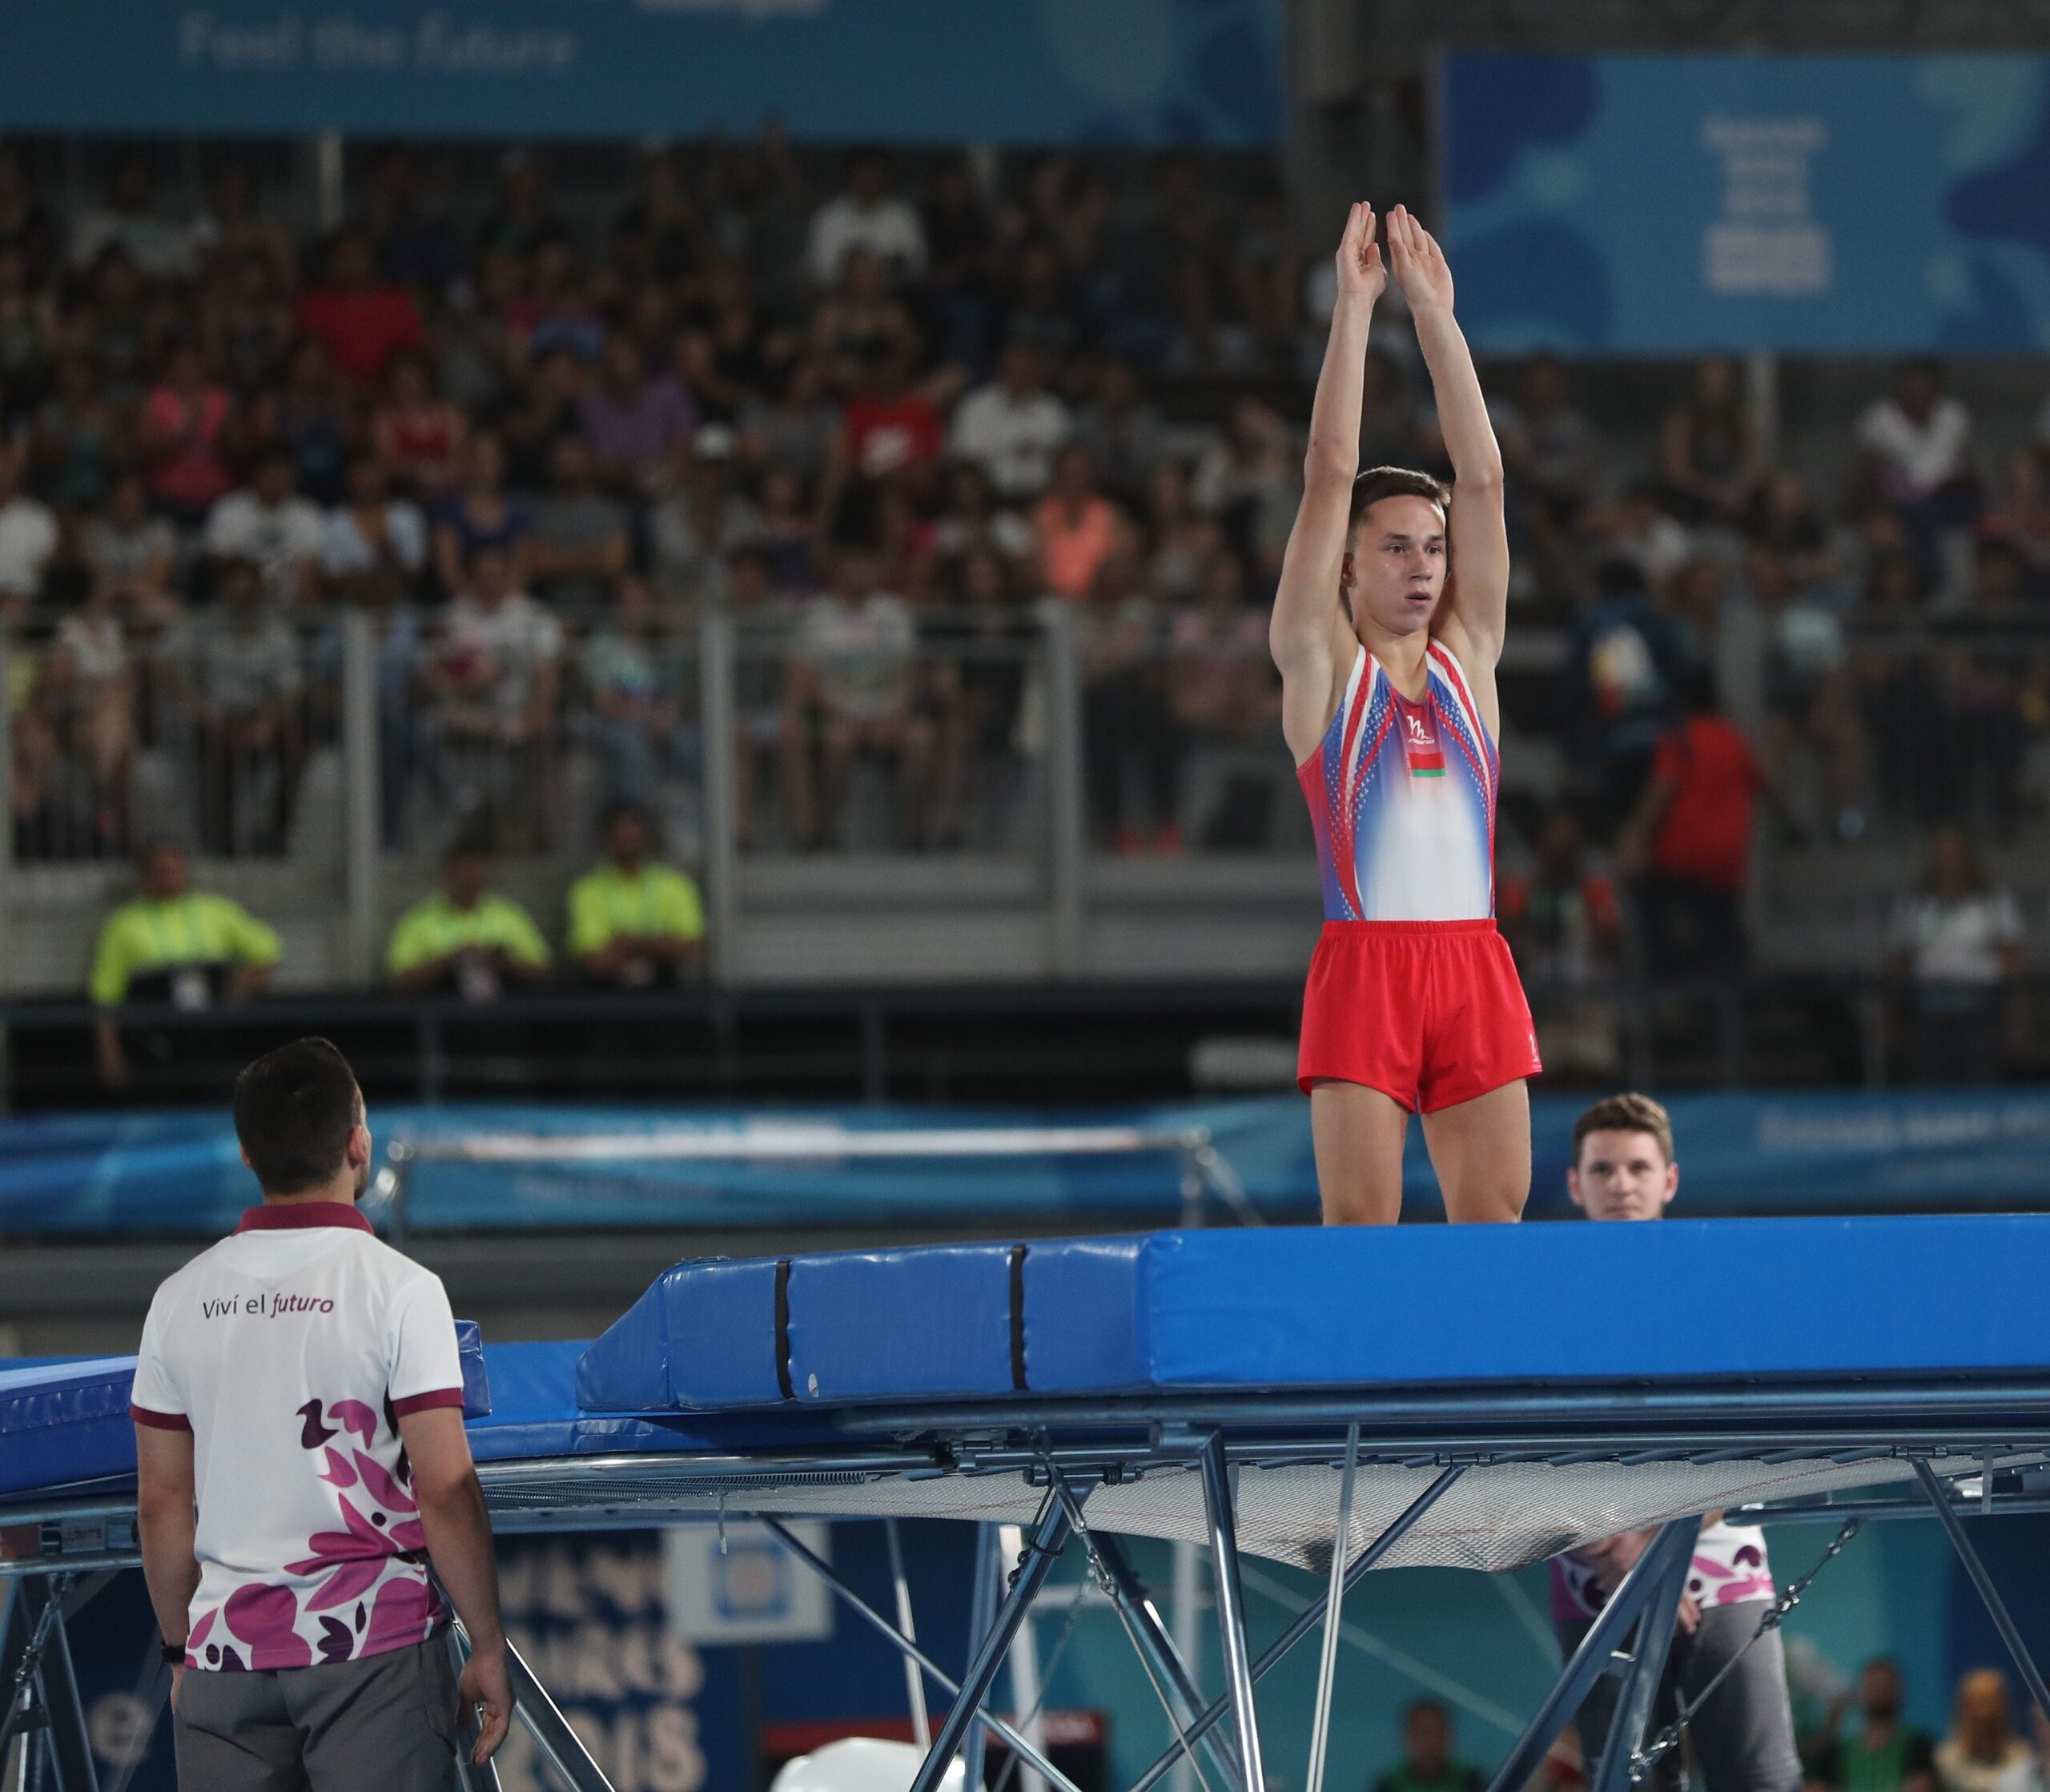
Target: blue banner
1007	71
1661	204
180	1174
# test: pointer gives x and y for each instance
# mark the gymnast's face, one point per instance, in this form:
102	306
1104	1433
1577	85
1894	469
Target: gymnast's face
1395	564
1623	1176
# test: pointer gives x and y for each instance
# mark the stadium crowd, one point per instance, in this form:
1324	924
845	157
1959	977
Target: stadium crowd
1855	1740
881	413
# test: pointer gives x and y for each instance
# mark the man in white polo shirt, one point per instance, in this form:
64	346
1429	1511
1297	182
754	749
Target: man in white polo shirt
1624	1168
298	1384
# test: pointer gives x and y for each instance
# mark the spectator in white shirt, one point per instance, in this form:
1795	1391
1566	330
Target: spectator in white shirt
849	693
1917	440
376	545
1915	448
1982	1752
267	521
164	248
1012	426
494	673
1959	944
28	532
866	215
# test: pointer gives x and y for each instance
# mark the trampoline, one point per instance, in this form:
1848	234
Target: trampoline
1482	1397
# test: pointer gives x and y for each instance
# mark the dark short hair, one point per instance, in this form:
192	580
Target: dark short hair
1377	483
615	813
1418	1707
1629	1112
295	1109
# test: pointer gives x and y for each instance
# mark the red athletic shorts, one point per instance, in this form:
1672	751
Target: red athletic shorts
1429	1012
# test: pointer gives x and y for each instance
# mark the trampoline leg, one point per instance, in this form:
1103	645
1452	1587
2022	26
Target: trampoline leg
1027	1696
1046	1545
1187	1599
982	1612
1996	1608
1162	1656
914	1685
1230	1596
1334	1608
1673	1544
1640	1690
869	1616
44	1661
1304	1620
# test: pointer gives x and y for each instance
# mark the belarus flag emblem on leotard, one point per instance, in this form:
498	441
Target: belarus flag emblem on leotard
1420	739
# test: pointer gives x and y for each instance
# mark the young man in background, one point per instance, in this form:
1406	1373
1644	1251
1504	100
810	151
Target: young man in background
1624	1168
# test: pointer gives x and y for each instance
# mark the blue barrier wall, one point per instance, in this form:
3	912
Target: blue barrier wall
1032	72
1658	204
180	1174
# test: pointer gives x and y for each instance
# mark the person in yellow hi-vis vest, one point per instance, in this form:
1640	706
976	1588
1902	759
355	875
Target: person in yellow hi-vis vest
174	944
465	939
634	922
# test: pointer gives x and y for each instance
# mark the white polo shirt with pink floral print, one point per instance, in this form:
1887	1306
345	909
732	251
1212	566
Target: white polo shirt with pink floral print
291	1351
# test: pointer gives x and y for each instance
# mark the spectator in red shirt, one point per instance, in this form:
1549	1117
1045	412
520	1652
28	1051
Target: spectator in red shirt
890	433
363	320
889	423
185	423
1689	841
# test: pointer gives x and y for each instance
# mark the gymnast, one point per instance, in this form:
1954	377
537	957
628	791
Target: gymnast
1387	628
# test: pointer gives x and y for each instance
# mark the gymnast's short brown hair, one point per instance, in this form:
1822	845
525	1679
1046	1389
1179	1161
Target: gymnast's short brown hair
1377	483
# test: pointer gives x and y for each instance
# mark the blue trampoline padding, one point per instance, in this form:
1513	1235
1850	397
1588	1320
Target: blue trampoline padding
537	1414
706	1340
1677	1299
868	1325
1304	1307
67	1421
477	1379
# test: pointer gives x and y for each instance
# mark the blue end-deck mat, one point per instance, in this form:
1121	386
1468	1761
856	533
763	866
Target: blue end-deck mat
1306	1309
65	1421
68	1420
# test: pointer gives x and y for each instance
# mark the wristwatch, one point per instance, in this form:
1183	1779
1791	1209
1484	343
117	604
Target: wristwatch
173	1655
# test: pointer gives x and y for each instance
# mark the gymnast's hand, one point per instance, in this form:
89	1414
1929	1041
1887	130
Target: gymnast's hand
1420	268
1360	274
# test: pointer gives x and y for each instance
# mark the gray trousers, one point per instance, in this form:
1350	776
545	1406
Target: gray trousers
386	1723
1743	1739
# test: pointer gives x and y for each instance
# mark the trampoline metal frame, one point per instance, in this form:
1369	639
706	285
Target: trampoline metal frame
596	1493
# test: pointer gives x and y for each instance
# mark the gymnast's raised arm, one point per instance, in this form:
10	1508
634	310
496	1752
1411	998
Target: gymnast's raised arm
1310	634
1474	615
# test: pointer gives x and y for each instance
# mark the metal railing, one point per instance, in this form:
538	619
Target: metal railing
1037	744
202	726
879	731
